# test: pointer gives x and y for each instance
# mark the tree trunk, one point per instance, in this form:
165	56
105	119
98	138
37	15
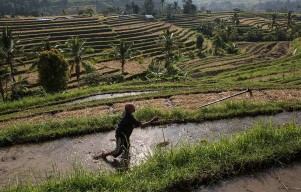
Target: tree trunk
2	91
122	66
11	65
77	71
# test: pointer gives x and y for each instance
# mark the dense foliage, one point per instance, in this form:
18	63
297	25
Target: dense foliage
52	68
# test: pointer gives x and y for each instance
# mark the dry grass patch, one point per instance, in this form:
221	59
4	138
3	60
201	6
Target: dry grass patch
158	103
194	100
86	112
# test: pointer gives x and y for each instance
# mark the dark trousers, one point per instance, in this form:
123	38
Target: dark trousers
122	145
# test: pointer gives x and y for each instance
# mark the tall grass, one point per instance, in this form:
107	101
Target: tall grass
53	129
184	168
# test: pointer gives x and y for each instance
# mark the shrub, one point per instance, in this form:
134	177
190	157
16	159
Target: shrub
52	68
232	48
95	79
199	41
191	54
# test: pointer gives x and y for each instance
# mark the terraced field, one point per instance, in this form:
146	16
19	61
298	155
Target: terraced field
254	52
269	69
100	34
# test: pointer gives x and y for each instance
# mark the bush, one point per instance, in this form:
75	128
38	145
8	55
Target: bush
201	54
52	68
19	90
199	41
254	35
232	48
206	28
95	79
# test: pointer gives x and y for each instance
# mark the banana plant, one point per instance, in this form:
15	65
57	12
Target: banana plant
10	50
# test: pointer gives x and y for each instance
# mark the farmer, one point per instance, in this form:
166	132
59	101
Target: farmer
124	131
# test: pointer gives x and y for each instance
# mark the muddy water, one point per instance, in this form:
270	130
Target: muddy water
286	178
35	162
107	96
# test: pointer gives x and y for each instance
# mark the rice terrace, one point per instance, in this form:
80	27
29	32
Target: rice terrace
215	87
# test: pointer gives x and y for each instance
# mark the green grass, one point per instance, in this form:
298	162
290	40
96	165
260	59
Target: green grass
184	168
53	129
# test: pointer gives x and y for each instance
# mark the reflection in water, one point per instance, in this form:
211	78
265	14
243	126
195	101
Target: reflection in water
108	96
44	159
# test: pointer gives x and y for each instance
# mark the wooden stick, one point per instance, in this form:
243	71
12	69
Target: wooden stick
242	92
282	183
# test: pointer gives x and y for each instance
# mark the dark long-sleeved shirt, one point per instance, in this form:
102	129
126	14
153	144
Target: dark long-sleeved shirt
126	125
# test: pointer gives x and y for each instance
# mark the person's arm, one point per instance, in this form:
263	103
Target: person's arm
143	125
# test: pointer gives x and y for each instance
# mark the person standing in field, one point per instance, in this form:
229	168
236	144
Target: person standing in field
124	131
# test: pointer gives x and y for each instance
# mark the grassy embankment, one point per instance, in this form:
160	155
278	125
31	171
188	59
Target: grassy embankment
53	129
184	168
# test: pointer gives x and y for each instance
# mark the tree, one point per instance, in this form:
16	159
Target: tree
235	19
199	41
168	11
176	6
123	51
4	76
162	4
289	19
217	43
64	3
149	7
273	20
4	82
189	7
52	68
75	48
132	8
10	49
36	51
169	43
206	28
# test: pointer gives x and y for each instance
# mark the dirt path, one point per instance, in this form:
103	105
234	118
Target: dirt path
35	162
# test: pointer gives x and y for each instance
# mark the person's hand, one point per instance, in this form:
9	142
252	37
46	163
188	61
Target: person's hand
155	119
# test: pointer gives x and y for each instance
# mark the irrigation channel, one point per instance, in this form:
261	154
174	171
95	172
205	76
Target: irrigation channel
35	162
107	96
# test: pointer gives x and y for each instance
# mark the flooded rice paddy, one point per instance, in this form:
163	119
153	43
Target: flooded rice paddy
35	162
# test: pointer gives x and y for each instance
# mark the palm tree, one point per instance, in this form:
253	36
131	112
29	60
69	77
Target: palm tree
169	43
45	45
75	48
123	51
274	20
289	19
9	49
